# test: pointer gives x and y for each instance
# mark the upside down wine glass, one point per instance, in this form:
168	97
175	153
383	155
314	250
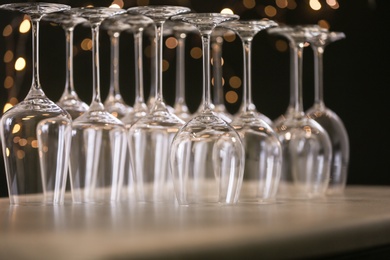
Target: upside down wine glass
150	31
35	133
306	145
207	155
98	138
216	50
263	151
69	99
114	102
328	119
218	104
180	31
136	24
151	136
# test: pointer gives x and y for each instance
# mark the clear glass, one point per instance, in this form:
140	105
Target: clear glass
35	132
307	150
180	31
69	99
326	117
136	24
98	138
207	155
218	104
151	34
253	27
263	151
151	136
217	50
114	102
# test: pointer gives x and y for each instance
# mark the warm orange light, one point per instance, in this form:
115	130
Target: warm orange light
7	30
165	65
270	11
324	24
8	56
8	82
235	82
25	26
20	64
7	106
281	45
118	3
227	11
249	3
281	3
86	44
196	53
171	42
315	5
231	97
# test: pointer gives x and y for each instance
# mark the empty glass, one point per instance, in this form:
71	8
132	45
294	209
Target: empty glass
207	155
263	151
98	138
307	150
150	31
180	30
114	102
69	99
326	117
35	133
217	50
218	104
136	24
151	136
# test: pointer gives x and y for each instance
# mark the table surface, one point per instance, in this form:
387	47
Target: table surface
357	220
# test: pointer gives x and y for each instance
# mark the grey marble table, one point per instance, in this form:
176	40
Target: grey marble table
356	221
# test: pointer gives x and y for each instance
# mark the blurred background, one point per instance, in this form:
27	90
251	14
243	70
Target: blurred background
356	71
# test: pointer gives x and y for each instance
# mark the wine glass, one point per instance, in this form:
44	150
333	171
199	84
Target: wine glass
114	102
69	99
136	24
180	30
34	132
98	138
216	50
263	151
326	117
150	32
218	104
306	145
247	30
151	136
207	155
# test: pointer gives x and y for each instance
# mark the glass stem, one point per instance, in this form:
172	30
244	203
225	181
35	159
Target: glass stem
153	71
318	74
69	85
96	99
180	65
114	82
296	55
217	71
36	85
207	105
139	84
247	85
159	60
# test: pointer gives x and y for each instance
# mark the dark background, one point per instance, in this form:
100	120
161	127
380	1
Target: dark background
356	71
